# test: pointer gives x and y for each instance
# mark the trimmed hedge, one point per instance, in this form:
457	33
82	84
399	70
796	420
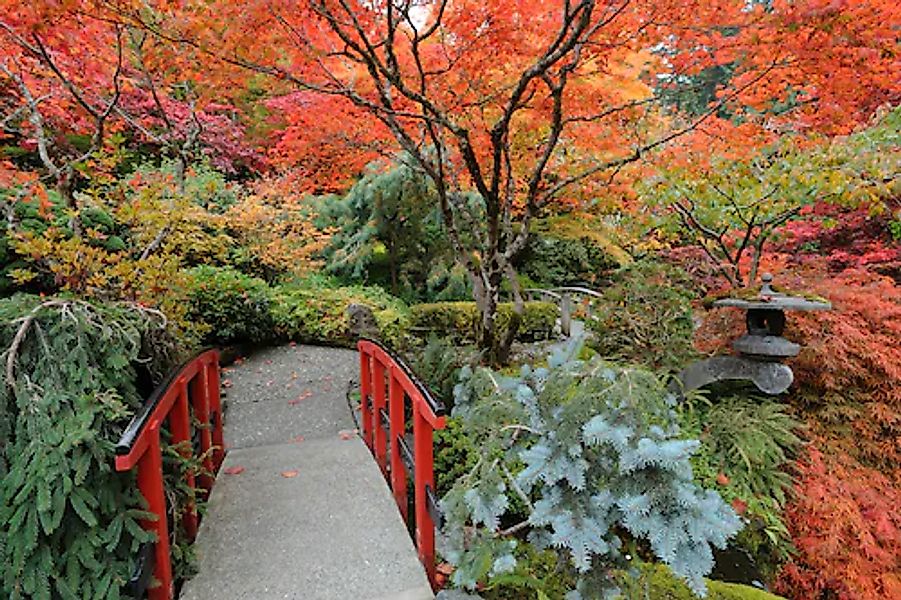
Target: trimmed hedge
317	315
460	320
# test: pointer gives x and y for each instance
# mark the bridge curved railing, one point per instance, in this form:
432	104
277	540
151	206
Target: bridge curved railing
563	296
389	391
189	396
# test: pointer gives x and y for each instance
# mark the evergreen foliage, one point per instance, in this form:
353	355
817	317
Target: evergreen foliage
593	450
645	317
438	365
387	231
570	249
655	582
460	320
69	522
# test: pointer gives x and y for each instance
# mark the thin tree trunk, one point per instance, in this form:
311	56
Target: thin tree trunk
519	308
67	194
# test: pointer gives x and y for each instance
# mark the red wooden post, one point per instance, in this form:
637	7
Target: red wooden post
215	405
365	395
423	476
150	482
398	426
379	403
180	423
201	401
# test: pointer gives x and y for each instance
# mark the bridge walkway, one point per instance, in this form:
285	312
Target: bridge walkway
300	509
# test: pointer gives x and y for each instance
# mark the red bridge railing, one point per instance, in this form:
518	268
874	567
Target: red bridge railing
389	393
188	401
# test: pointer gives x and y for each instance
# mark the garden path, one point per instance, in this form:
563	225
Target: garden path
300	509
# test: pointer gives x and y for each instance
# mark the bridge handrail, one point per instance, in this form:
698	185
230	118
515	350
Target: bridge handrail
577	290
562	296
383	425
193	385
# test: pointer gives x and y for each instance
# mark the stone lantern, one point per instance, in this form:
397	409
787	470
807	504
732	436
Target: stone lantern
762	349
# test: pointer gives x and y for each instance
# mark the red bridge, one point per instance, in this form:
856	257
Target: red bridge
300	507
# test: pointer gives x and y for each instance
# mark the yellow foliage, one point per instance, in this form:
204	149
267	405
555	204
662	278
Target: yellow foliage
276	226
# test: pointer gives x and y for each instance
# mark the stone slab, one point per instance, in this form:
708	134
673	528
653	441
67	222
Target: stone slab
331	532
283	372
279	421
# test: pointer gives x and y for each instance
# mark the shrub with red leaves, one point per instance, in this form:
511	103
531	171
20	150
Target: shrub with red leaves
847	238
845	522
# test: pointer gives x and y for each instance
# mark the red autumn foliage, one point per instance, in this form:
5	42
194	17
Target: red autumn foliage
849	237
845	522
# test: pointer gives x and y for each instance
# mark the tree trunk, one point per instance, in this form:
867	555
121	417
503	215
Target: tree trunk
67	194
495	345
519	308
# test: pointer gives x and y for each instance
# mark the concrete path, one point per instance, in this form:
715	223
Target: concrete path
300	510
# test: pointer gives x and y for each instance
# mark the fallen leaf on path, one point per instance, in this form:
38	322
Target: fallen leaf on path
297	439
236	470
239	361
292	344
347	434
300	398
289	474
269	362
226	383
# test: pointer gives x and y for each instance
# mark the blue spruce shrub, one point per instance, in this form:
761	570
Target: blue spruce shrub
592	449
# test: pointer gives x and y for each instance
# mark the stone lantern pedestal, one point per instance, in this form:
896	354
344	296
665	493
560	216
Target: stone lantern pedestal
762	349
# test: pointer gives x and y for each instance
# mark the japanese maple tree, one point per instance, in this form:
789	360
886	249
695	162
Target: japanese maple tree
521	104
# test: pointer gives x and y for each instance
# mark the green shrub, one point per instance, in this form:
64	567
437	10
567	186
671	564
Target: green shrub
645	317
316	314
570	249
438	364
460	320
455	455
235	307
552	261
70	524
537	576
